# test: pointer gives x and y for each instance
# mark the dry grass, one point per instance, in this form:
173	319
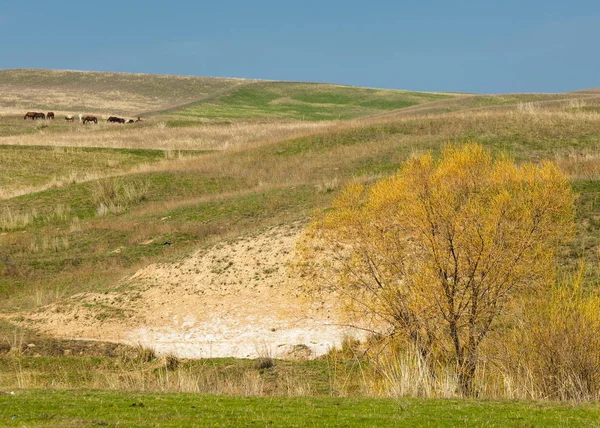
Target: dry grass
139	369
68	92
158	137
535	126
71	167
114	195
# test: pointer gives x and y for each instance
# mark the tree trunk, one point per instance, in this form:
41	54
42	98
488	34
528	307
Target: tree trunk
466	374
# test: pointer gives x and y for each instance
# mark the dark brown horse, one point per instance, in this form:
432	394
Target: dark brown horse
50	115
88	119
29	114
39	116
115	119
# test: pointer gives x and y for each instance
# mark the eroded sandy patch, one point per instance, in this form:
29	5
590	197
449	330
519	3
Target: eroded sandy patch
238	299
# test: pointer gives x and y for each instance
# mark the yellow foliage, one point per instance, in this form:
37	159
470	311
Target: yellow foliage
437	251
557	346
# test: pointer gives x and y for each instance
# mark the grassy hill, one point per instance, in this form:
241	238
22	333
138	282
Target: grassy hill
218	161
192	97
99	92
305	101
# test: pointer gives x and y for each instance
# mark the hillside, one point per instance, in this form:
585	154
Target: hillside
191	97
99	92
304	101
179	232
588	91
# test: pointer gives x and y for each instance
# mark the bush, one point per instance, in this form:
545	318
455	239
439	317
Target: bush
115	195
557	348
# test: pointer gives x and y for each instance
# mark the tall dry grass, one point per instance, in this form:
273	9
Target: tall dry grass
554	351
582	165
550	351
156	136
140	369
11	219
115	195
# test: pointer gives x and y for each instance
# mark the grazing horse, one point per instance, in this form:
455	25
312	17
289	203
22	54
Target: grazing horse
50	115
29	114
115	119
90	119
70	118
130	121
39	116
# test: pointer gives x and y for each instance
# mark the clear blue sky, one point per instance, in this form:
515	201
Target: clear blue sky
484	46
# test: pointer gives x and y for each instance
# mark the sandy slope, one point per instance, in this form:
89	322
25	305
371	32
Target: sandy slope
237	299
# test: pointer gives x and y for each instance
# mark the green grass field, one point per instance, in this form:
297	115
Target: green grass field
304	101
114	409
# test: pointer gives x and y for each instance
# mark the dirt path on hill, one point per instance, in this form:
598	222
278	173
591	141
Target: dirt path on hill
237	299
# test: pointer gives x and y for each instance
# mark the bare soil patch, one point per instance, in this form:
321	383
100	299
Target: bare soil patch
237	299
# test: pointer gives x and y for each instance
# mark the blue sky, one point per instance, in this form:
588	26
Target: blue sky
469	46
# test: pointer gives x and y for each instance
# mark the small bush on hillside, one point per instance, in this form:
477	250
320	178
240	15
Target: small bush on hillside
113	196
12	220
171	362
137	355
265	363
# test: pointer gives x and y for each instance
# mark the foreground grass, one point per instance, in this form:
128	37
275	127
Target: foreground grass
35	408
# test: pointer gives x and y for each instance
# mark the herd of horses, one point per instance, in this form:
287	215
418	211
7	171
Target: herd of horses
83	119
35	115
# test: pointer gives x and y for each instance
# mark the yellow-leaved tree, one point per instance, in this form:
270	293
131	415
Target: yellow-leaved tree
437	252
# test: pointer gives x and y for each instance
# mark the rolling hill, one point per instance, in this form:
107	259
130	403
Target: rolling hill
589	91
155	232
192	97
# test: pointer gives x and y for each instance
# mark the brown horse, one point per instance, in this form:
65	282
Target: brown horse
115	119
29	114
39	116
50	115
88	119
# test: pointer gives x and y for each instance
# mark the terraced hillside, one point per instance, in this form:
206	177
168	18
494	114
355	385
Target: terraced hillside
160	230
